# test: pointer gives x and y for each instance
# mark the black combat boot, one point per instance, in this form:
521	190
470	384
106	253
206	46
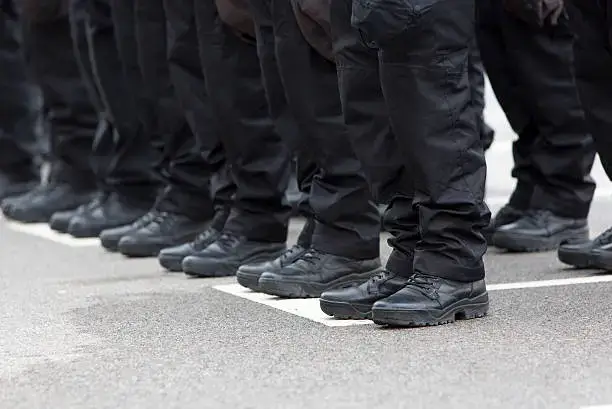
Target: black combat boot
315	272
427	300
540	230
226	254
356	302
165	230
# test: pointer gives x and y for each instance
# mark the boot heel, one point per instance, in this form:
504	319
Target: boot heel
477	309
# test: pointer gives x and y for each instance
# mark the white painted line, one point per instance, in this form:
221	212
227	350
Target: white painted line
309	308
551	283
597	407
305	308
43	230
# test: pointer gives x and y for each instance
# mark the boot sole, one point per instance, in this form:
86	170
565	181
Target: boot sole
249	281
303	289
110	245
520	243
603	262
477	307
86	234
172	264
195	269
60	227
142	251
28	220
575	259
346	311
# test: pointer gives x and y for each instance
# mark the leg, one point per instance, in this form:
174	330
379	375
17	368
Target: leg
124	151
593	62
563	152
188	80
18	141
506	86
130	157
280	112
424	76
259	158
72	123
366	115
185	207
344	247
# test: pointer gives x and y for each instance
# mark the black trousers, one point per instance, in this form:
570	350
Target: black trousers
302	89
437	212
20	145
71	116
225	101
182	168
592	22
531	71
187	79
125	149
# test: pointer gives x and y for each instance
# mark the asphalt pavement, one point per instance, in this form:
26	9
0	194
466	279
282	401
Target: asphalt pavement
82	328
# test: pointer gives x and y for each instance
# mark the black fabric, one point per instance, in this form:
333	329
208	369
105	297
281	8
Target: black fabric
42	10
182	167
71	116
531	71
477	81
364	108
125	149
189	84
435	210
424	61
19	144
225	104
592	22
78	14
303	89
79	18
259	158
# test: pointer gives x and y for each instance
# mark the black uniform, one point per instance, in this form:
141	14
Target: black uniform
185	205
592	22
124	155
20	146
130	151
530	69
224	100
71	118
302	89
436	210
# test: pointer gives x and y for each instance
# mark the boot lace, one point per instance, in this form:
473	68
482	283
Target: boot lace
424	284
312	256
228	240
290	254
604	237
377	279
203	239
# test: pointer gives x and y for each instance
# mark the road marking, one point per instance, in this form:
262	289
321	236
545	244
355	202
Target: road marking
43	230
305	308
551	283
309	308
597	407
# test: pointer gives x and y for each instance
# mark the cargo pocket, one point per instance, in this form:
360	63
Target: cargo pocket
380	21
